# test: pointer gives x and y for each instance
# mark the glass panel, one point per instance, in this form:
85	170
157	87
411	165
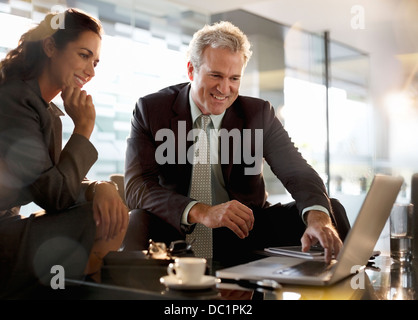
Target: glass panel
351	124
304	111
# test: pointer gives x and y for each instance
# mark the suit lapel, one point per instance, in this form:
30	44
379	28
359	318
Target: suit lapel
233	119
56	136
181	124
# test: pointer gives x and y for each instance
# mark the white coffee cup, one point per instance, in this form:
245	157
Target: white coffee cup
188	270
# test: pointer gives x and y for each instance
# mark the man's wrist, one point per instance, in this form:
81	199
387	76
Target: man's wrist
314	216
185	216
313	208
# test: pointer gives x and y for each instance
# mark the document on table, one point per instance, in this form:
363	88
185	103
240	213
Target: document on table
296	251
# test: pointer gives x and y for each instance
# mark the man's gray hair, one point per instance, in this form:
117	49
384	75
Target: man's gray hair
219	35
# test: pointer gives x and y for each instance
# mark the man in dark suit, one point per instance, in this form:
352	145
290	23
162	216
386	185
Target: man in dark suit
158	171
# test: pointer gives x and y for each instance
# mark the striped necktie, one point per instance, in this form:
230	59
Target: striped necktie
201	188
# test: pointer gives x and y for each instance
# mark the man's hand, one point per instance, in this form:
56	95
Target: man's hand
320	229
233	215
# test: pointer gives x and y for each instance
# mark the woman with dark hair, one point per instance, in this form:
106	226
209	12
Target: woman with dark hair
82	219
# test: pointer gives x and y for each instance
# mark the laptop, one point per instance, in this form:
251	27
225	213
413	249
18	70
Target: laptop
355	253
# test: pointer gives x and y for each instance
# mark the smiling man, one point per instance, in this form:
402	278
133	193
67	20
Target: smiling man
236	217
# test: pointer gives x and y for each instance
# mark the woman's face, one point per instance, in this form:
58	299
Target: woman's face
74	64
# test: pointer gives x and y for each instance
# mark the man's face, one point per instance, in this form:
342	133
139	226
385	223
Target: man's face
215	85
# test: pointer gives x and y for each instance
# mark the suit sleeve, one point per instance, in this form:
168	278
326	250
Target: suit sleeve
143	188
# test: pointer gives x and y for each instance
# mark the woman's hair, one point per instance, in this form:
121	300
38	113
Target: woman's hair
219	35
28	59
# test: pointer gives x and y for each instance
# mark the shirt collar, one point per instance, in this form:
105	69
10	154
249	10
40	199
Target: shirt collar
216	119
55	110
34	84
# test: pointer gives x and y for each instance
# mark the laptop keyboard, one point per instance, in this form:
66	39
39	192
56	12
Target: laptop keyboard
307	268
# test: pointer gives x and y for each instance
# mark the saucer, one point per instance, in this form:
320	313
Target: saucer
173	283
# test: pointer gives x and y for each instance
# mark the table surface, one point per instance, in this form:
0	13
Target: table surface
382	280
